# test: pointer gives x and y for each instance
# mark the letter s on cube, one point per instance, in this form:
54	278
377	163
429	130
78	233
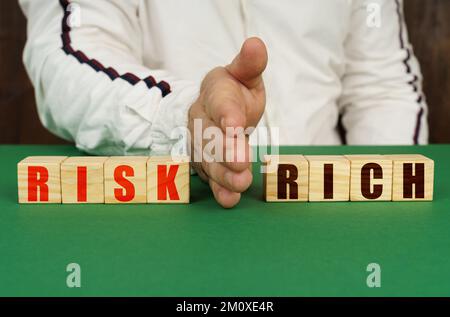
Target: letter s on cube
125	180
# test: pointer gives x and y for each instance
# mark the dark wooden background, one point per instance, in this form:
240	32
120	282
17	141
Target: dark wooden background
429	27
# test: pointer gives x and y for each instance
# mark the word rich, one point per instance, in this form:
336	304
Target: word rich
110	180
348	178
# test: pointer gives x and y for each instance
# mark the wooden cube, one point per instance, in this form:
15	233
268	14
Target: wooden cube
413	177
39	179
125	180
168	180
286	178
370	178
329	178
82	180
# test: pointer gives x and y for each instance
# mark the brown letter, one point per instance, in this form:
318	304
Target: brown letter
418	179
284	180
365	181
328	181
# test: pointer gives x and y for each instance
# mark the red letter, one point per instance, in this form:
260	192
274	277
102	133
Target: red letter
82	183
125	183
166	182
35	182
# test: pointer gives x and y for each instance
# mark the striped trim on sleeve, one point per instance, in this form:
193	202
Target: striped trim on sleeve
98	66
412	83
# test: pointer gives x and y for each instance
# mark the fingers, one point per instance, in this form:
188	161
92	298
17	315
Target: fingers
237	153
225	182
235	182
250	63
223	196
227	113
233	152
225	104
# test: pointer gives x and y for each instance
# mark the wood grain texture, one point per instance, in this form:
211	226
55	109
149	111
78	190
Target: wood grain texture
133	177
293	186
329	178
418	184
370	178
51	165
93	176
156	186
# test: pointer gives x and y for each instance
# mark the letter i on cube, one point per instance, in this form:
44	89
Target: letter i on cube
82	180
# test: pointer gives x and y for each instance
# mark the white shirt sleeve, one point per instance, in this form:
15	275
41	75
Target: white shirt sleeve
382	100
91	86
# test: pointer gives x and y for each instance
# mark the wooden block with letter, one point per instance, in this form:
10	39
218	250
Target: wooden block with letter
39	179
370	178
168	180
82	180
329	178
413	177
125	180
286	178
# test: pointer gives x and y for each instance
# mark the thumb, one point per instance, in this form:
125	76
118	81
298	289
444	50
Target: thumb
250	63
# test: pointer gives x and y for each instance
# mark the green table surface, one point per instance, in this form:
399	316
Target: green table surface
200	249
